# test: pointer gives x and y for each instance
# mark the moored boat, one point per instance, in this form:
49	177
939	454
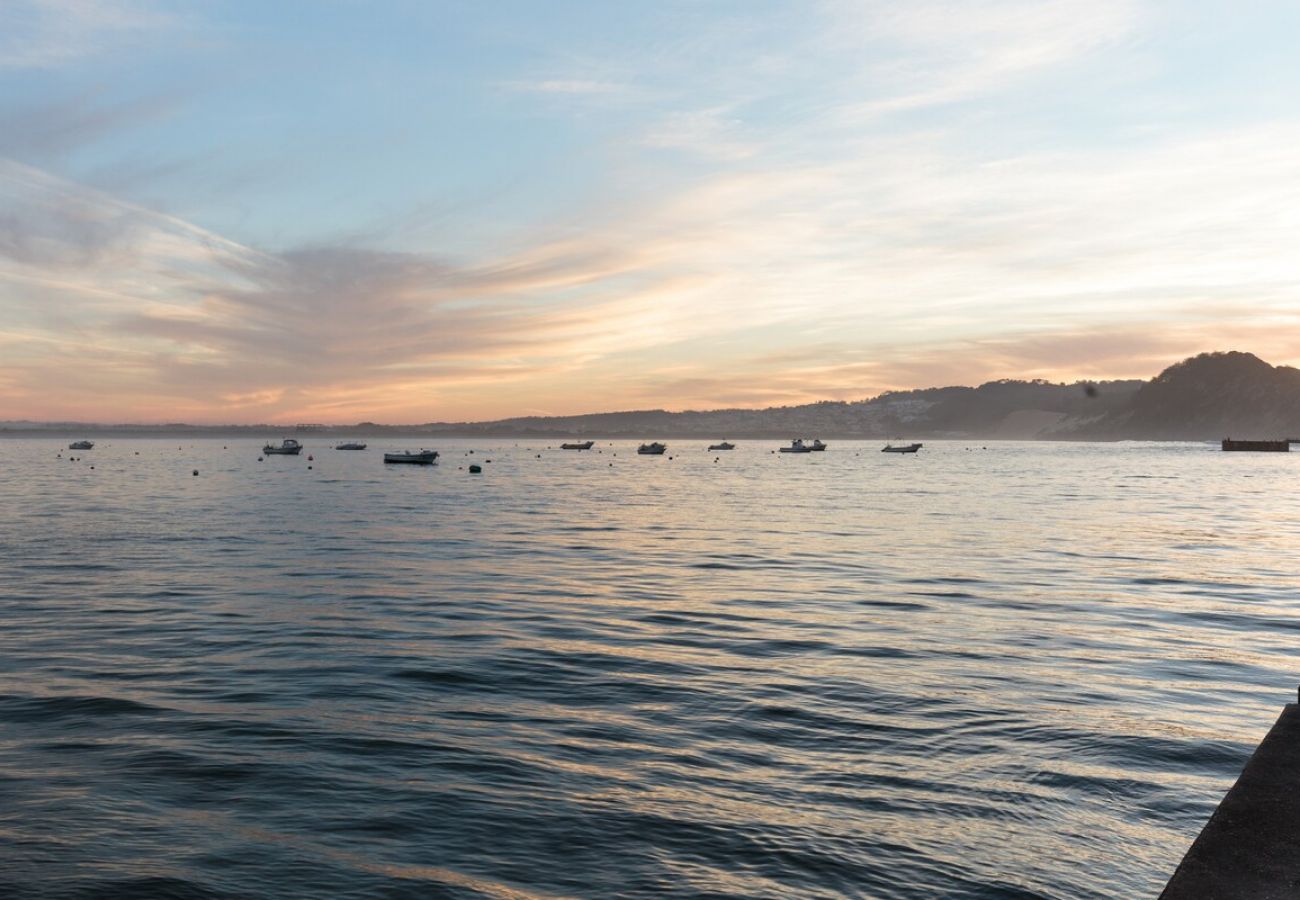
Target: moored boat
287	447
1283	446
578	445
81	445
654	449
725	445
419	458
351	445
902	448
797	446
816	445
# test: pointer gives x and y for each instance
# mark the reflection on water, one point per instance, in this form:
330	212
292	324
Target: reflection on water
1028	671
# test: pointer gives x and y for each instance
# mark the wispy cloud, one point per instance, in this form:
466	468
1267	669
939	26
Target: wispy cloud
810	201
46	33
939	51
49	130
576	86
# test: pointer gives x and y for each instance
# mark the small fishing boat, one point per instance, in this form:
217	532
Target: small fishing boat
287	447
816	445
797	446
655	449
81	445
419	458
351	445
578	445
725	445
902	448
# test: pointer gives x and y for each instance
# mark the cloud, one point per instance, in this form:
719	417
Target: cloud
575	86
166	315
934	52
51	129
907	267
42	34
800	242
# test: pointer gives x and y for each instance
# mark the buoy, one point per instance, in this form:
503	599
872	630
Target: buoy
196	471
309	467
259	459
92	468
539	456
309	458
474	470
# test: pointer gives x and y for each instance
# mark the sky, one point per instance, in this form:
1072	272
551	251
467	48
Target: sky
412	211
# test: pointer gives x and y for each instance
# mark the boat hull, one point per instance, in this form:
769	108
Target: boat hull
911	448
414	459
281	451
585	445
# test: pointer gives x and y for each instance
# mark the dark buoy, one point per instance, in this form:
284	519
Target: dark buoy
474	470
259	459
309	467
196	471
309	459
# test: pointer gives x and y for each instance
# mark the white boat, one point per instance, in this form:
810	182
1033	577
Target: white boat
725	445
797	446
287	447
655	449
901	448
816	445
578	445
351	445
419	458
81	445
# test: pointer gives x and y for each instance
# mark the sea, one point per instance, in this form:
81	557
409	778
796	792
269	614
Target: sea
989	670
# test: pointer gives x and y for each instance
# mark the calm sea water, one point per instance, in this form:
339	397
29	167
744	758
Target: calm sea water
1026	671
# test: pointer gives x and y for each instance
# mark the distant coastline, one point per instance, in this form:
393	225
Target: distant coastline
1206	397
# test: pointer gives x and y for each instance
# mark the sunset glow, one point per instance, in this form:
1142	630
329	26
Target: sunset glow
336	212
